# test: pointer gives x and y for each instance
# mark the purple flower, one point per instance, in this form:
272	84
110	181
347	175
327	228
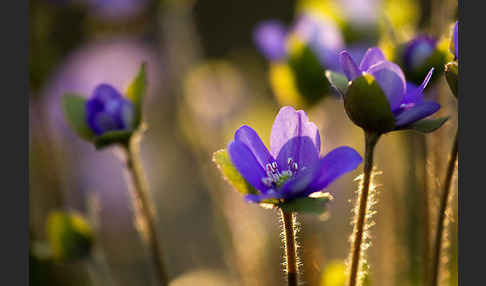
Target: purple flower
292	168
418	51
320	34
107	110
405	101
455	38
269	37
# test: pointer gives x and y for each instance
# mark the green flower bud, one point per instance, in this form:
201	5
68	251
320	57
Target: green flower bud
367	106
70	236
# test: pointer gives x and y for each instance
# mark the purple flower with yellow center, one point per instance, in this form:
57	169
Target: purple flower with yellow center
107	110
377	96
292	168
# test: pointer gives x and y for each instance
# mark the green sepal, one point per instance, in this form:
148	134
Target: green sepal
222	160
309	205
69	235
367	105
308	71
74	106
452	76
112	137
338	82
136	92
427	125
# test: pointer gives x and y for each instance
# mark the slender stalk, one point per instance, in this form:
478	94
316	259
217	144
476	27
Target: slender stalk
145	209
290	250
370	142
442	213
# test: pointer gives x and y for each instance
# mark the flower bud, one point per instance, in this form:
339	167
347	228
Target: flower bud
107	110
69	235
452	75
367	105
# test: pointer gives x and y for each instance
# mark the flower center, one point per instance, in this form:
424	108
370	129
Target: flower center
275	178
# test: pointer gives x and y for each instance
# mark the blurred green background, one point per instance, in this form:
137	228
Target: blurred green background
206	79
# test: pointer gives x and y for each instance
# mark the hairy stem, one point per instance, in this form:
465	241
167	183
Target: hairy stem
290	250
442	213
145	209
370	142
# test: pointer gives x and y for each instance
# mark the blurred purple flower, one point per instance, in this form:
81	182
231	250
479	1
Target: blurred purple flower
321	34
418	50
292	168
269	37
115	61
406	102
107	110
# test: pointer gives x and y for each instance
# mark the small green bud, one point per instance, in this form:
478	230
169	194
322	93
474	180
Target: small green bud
367	105
452	76
70	236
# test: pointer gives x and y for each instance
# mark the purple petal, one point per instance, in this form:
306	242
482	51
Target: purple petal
250	138
247	165
332	166
324	171
373	56
294	136
348	65
391	80
269	37
414	94
416	113
456	40
107	110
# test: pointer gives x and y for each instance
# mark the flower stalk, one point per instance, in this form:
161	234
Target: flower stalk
144	208
442	213
370	142
290	249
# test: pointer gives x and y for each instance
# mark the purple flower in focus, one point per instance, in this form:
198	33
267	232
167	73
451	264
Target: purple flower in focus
107	110
405	100
292	168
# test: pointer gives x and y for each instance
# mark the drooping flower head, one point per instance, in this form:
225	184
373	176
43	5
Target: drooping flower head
107	110
377	96
292	168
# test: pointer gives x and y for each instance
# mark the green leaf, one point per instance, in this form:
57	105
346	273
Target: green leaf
367	106
222	160
428	125
306	205
112	137
136	92
452	76
338	82
74	110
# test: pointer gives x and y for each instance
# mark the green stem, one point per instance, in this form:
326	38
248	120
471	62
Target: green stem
370	142
290	250
442	214
145	209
